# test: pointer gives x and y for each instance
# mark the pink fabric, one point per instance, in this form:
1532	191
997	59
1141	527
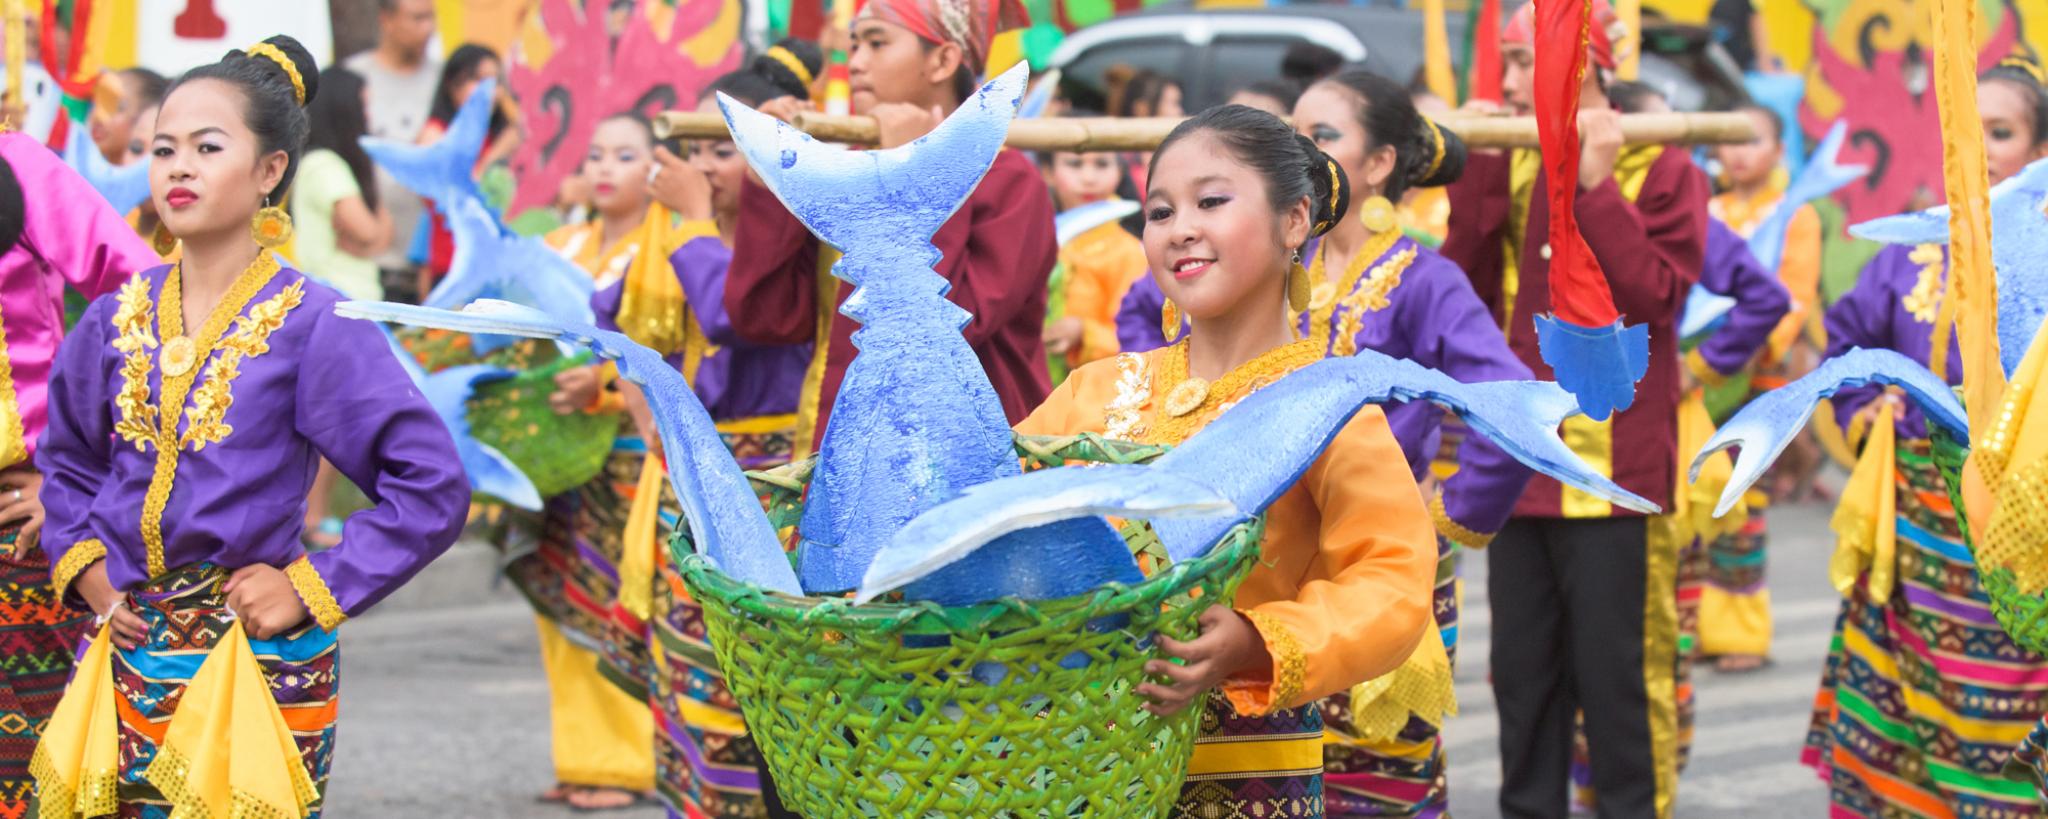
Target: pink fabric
71	236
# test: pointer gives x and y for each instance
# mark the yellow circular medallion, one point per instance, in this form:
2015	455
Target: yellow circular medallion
1378	214
177	357
1187	397
1321	296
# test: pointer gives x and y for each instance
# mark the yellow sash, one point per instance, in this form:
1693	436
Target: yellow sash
77	765
1865	534
228	751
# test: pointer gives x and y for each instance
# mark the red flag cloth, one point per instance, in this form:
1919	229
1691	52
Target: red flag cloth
1600	34
1486	66
1578	289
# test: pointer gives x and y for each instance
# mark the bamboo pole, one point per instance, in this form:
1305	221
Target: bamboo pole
1141	134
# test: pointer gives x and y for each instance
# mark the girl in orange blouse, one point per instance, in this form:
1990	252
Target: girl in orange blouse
1341	592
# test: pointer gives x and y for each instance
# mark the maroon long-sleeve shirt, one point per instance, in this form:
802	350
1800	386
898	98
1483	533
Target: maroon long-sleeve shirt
996	254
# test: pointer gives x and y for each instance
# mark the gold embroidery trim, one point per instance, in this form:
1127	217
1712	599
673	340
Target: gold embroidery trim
13	444
312	589
133	336
1225	391
1323	311
1290	669
1124	420
170	321
1453	530
76	560
1925	299
211	401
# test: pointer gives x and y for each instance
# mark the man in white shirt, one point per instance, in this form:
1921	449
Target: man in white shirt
402	73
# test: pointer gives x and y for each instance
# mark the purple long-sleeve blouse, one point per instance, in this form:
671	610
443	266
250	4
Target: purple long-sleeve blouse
739	379
69	235
1760	300
288	383
1433	318
1892	307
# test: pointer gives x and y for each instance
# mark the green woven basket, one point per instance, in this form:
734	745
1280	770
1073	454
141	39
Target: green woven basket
913	709
557	452
2023	616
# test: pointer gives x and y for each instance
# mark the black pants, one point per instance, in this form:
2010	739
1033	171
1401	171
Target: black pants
1568	625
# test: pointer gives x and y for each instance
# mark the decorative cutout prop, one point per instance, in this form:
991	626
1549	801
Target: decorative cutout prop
125	187
448	392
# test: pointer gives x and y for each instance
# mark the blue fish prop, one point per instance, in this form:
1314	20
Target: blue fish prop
1288	424
1767	424
719	504
915	405
1072	222
448	392
1821	175
2019	244
1705	311
446	170
125	187
1599	365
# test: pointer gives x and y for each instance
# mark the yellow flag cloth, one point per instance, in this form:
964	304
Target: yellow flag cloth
1693	505
77	765
2008	507
642	542
651	309
227	751
1865	537
1421	686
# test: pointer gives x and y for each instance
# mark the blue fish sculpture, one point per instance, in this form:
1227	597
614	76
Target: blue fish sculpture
1822	174
2019	244
915	405
1767	424
1288	424
723	513
1072	222
446	170
448	392
125	187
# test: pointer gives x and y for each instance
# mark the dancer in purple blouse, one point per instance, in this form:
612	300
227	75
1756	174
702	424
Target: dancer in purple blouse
187	414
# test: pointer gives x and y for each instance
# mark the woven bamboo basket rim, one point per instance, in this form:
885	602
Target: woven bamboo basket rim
1008	614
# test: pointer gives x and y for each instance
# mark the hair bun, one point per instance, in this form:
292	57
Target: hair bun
298	71
791	65
1442	155
1331	190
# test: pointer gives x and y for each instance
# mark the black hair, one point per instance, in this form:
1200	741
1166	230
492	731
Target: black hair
271	106
1284	90
766	78
337	121
1777	123
462	66
1130	86
635	117
1291	164
1307	62
149	86
13	209
1425	154
2025	74
964	82
1630	97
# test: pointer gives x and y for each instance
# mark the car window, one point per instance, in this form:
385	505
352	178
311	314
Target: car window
1081	80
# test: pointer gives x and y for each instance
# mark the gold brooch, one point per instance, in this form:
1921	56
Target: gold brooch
1187	397
177	357
1321	296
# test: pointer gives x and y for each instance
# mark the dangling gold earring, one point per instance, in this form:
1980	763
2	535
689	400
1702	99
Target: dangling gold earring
1298	289
272	227
1169	321
1378	214
162	241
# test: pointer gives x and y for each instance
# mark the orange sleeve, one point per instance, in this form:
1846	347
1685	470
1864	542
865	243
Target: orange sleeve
1799	270
1102	270
1076	405
1363	604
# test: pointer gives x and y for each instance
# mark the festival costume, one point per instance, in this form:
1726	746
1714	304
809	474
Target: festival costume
1924	696
70	240
1099	267
276	382
1349	609
1621	571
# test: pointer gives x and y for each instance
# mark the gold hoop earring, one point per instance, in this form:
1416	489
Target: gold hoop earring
1298	289
1169	321
272	227
1378	214
162	241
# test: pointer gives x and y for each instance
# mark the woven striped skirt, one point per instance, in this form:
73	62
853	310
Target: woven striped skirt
571	575
1267	767
1924	697
186	613
38	635
1405	777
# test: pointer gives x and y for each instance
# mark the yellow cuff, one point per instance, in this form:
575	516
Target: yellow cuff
76	560
314	592
1701	370
1290	670
1451	529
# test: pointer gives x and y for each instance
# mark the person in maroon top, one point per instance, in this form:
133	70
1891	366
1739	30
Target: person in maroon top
911	63
1583	612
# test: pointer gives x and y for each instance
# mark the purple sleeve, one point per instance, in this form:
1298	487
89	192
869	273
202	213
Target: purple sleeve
1760	300
604	305
701	264
362	412
1137	320
75	453
70	225
1863	318
1456	335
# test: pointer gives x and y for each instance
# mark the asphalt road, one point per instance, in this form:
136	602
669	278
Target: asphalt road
445	711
